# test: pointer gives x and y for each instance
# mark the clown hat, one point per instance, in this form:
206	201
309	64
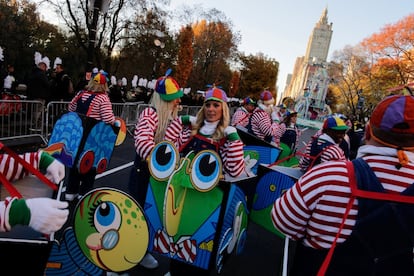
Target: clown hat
168	88
335	123
100	78
392	122
248	100
216	94
267	98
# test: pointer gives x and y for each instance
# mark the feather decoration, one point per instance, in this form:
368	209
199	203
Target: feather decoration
1	54
113	80
37	58
134	81
58	60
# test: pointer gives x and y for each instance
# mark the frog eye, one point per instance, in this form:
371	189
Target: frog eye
106	217
205	170
163	160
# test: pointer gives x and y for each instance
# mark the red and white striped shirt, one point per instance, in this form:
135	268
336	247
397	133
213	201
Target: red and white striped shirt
100	106
329	153
313	208
240	117
144	132
263	126
231	152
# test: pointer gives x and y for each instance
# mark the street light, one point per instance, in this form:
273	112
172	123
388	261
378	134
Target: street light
158	44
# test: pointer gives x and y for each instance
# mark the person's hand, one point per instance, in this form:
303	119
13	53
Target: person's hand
47	215
55	172
188	119
274	116
229	130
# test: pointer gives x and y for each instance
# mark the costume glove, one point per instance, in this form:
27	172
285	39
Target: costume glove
188	119
55	171
44	215
47	215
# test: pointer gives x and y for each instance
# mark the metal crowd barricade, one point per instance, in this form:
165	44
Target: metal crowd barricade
21	117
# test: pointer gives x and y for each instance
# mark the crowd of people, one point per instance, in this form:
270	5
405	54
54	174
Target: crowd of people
327	208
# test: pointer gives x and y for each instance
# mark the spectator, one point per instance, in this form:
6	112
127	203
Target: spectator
325	147
38	89
373	235
62	87
9	80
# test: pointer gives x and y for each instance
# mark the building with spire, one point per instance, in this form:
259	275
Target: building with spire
308	84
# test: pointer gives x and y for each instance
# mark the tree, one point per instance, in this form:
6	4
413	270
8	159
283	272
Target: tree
392	52
258	73
214	44
98	25
185	55
23	33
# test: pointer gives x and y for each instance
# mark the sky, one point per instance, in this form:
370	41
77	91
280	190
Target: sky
280	29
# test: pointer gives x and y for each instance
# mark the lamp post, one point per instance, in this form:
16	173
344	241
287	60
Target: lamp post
159	45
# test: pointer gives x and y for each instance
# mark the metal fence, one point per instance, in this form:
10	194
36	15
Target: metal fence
22	117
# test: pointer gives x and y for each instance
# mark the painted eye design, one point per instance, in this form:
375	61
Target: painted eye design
205	170
106	217
163	160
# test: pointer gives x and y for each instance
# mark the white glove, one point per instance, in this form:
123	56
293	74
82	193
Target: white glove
55	172
274	116
229	130
47	215
193	120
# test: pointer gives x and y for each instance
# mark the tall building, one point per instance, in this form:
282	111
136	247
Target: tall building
320	40
309	82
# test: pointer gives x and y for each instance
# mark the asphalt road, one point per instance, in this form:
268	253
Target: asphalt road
263	250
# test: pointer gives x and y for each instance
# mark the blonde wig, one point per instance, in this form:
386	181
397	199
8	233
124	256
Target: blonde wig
166	112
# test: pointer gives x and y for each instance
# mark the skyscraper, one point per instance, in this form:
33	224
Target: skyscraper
309	81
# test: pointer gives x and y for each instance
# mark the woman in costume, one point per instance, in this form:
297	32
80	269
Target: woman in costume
149	131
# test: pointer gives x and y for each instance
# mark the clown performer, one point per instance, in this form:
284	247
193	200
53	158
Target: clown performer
149	131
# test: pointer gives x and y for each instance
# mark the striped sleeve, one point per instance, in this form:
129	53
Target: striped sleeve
314	207
233	159
13	170
144	132
177	133
263	126
240	118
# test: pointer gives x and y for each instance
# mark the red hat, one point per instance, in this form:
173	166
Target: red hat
266	97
